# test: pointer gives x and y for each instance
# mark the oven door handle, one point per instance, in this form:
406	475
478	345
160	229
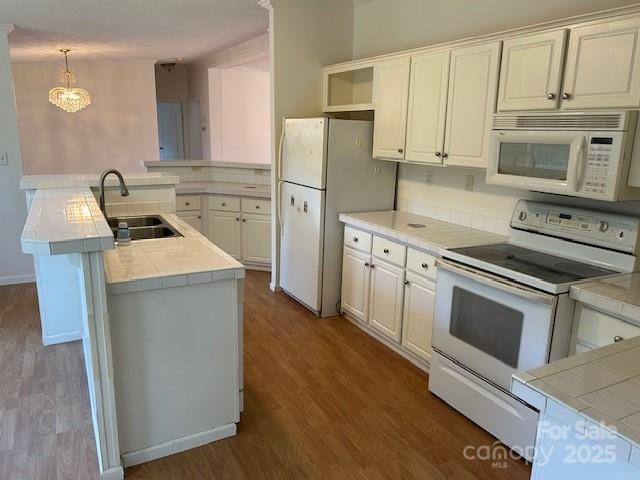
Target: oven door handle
495	281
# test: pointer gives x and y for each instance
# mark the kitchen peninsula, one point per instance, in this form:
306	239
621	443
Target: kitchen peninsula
160	319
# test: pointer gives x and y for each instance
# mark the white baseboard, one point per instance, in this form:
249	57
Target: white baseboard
116	473
18	279
178	445
399	349
273	288
62	338
257	267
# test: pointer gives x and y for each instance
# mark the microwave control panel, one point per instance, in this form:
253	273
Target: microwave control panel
619	232
599	156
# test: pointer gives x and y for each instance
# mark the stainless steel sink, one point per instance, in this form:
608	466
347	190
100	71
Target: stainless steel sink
144	228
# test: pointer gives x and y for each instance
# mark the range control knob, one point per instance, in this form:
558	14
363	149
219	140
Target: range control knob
604	226
522	216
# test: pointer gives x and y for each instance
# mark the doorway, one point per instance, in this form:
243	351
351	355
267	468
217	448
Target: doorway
170	131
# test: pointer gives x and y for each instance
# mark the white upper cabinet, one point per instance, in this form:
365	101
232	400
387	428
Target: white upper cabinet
531	71
471	103
427	107
391	88
603	66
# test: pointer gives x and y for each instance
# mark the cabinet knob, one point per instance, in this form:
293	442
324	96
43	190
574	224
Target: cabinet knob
566	96
186	203
618	338
355	239
406	282
257	207
373	266
223	204
438	154
551	95
400	150
199	216
386	250
237	219
445	155
425	266
244	220
366	264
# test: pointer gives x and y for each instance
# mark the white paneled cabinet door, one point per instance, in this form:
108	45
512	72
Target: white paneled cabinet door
355	283
192	219
256	238
224	231
471	103
391	88
531	71
385	304
603	66
427	107
417	318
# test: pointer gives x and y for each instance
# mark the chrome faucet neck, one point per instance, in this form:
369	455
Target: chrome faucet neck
124	191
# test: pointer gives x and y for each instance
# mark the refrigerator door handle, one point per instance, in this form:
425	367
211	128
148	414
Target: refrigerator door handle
280	181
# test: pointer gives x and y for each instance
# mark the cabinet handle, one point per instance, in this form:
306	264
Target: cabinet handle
305	206
257	207
400	150
355	239
438	154
386	250
406	282
373	266
445	155
425	266
617	338
566	96
366	264
551	95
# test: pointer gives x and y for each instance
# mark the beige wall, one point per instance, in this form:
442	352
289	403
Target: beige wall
118	130
15	267
383	26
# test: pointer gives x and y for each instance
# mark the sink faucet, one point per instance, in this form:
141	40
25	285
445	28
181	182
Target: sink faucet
124	191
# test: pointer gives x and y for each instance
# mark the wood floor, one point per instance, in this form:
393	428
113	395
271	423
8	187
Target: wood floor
322	400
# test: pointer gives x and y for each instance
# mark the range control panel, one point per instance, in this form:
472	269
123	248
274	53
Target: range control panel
618	232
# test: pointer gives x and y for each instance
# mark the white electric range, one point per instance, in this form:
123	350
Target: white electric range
505	307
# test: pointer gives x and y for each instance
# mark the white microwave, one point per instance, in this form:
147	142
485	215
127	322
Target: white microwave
581	154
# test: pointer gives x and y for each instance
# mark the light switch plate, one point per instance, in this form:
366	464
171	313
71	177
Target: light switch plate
4	159
429	178
468	183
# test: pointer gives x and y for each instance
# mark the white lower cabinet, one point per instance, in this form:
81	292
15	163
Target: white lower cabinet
595	329
256	238
192	219
419	297
355	283
225	232
387	291
395	296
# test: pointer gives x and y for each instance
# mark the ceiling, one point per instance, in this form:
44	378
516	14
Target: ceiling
117	29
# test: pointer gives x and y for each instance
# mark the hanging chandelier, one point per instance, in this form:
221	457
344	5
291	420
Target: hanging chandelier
69	99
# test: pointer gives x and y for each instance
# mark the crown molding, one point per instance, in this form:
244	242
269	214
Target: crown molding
6	28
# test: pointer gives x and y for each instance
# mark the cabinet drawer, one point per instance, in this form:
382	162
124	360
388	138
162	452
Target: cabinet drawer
187	202
389	251
227	204
357	239
256	205
421	263
598	329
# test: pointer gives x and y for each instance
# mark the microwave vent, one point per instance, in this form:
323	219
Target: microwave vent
562	121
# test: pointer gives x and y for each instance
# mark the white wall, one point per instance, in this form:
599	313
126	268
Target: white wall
383	26
244	132
15	267
118	130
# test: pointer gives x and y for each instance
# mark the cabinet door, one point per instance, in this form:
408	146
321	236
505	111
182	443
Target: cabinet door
531	71
427	107
471	103
417	316
385	299
256	238
224	231
391	89
355	283
192	219
603	66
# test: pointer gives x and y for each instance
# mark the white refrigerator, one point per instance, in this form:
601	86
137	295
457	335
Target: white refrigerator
326	168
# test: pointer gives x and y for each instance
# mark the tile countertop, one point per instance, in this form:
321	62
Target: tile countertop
167	262
205	163
435	236
224	188
65	220
600	386
32	182
618	295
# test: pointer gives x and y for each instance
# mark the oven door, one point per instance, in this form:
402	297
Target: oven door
490	325
544	161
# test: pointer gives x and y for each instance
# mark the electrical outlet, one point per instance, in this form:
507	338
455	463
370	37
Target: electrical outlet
376	169
468	183
4	159
429	179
